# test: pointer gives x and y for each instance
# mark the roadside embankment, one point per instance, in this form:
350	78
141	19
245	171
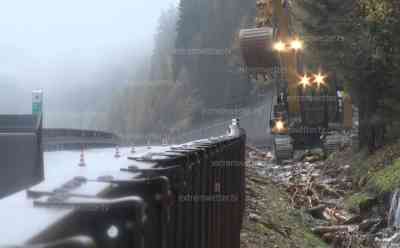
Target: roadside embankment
270	220
350	199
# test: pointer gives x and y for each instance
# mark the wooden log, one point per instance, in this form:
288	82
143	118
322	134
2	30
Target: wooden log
342	216
329	190
329	229
328	203
326	214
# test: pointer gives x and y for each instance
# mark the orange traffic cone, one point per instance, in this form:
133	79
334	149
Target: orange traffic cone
117	155
82	159
164	141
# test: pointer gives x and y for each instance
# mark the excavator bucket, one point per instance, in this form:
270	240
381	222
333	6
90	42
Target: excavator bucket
256	48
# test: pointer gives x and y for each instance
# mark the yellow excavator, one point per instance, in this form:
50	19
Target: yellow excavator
309	110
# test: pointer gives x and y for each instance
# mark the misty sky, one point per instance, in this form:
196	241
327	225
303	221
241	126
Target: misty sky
67	46
41	35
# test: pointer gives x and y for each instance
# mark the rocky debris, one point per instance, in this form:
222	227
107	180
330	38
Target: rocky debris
319	187
270	220
388	238
254	217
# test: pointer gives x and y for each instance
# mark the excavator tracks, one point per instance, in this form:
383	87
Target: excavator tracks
332	143
283	148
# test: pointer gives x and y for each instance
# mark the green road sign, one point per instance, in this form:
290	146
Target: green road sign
37	102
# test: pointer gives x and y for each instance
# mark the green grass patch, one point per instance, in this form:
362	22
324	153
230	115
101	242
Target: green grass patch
314	241
360	165
354	201
385	180
374	172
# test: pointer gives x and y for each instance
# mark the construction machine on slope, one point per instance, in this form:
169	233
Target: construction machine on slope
308	110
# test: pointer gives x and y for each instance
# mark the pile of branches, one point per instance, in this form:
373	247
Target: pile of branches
311	188
320	188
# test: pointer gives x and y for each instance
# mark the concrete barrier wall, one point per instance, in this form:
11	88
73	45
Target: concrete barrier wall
21	154
189	195
19	162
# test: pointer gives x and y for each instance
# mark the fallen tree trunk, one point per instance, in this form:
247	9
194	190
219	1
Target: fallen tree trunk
326	189
329	229
338	216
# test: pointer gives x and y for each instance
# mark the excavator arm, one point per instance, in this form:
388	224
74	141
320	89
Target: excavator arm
262	55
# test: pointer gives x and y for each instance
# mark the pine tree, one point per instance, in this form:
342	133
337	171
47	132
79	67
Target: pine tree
161	61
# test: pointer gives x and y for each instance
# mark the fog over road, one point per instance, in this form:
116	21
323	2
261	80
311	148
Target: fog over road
72	50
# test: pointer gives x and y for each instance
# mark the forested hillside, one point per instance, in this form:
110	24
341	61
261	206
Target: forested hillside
152	102
213	24
181	85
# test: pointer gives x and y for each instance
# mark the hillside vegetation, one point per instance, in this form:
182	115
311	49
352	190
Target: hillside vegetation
179	84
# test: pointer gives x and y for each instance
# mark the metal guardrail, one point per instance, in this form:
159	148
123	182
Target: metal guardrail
189	195
57	138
